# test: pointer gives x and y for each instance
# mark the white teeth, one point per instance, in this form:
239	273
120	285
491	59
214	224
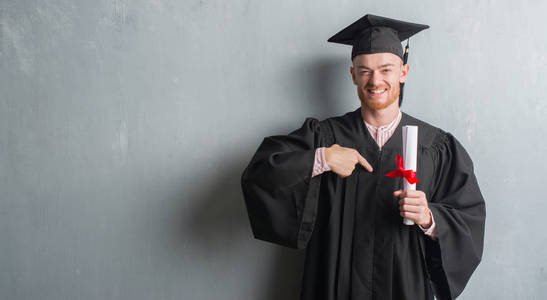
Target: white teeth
377	91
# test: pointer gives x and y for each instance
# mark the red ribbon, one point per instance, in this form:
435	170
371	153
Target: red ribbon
401	172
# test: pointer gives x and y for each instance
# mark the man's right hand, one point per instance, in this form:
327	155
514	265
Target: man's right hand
342	160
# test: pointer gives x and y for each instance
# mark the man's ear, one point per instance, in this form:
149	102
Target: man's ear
404	73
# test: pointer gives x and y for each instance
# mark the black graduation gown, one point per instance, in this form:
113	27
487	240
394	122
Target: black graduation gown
357	246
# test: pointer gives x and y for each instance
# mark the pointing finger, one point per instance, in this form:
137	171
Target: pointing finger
363	162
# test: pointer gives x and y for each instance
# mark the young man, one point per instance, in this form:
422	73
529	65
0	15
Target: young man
323	187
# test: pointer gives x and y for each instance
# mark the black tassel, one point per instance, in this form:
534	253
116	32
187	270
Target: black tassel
405	59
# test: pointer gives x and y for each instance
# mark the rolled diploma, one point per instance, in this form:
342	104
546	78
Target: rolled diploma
410	157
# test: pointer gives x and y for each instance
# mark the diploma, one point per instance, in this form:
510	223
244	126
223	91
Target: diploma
410	157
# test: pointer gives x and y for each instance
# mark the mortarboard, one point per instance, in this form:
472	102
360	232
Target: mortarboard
376	34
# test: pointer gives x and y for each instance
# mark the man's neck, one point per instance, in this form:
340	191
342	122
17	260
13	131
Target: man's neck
380	117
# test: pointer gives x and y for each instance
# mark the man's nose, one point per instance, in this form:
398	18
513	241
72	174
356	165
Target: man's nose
375	78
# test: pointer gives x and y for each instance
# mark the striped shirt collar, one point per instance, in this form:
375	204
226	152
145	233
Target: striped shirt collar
391	125
382	133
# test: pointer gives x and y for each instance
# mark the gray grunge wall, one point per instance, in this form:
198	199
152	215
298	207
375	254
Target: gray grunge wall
125	127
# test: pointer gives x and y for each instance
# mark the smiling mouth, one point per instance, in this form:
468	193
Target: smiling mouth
376	92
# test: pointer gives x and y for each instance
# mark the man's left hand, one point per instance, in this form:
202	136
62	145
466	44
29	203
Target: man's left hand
413	205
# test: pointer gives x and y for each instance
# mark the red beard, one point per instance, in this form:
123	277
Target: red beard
374	105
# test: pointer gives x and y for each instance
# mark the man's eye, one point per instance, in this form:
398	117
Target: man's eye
386	70
365	72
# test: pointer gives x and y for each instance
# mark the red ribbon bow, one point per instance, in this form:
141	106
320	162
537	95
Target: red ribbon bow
401	172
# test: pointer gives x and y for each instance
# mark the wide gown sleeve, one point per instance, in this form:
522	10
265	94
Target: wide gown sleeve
459	210
279	191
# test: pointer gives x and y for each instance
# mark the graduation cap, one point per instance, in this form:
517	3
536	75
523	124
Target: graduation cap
376	34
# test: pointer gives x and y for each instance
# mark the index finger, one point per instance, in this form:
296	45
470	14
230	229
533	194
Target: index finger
410	201
363	162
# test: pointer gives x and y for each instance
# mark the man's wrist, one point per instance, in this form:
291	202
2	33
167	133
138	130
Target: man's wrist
326	166
429	222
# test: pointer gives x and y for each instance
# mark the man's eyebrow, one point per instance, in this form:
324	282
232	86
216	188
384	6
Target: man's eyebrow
382	66
387	65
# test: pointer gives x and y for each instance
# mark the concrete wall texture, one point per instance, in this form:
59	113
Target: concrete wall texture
125	126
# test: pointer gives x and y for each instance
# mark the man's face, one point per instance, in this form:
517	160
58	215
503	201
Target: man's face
378	77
